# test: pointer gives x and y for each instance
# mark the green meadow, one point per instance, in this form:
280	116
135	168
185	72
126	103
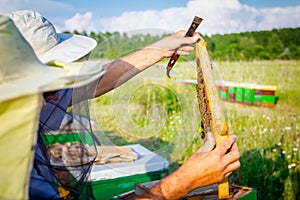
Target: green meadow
162	115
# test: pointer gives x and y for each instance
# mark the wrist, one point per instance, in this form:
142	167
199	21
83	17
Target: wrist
176	185
155	193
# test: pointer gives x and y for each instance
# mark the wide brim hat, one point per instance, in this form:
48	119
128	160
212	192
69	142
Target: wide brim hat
46	42
22	73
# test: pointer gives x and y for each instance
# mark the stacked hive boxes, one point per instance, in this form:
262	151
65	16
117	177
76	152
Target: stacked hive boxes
248	93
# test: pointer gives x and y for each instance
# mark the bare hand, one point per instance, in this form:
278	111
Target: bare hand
207	168
177	41
203	168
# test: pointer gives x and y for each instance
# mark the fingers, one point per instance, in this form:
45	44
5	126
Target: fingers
226	144
232	167
185	50
231	160
227	175
233	155
176	42
180	33
230	153
233	150
188	40
196	37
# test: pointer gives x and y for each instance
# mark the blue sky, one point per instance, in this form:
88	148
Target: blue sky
220	16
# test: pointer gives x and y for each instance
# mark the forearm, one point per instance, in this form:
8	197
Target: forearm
174	186
123	69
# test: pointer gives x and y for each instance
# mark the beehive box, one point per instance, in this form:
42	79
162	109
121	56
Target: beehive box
231	91
203	193
112	179
264	95
106	181
249	93
62	138
239	93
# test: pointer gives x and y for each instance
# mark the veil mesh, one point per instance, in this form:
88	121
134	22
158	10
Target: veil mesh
66	146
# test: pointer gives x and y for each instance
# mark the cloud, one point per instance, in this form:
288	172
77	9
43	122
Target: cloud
219	17
280	17
79	22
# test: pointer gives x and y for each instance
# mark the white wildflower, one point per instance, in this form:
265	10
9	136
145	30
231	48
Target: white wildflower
265	130
287	128
295	149
291	165
279	144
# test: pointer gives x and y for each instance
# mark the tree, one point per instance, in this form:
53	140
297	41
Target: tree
275	45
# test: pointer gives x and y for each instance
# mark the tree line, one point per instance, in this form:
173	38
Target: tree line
281	44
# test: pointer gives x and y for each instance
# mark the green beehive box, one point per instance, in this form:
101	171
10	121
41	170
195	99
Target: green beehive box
249	96
109	180
264	100
231	93
222	89
257	99
239	93
107	189
249	92
62	138
264	95
223	95
268	99
251	196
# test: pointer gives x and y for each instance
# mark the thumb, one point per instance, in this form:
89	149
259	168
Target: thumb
209	144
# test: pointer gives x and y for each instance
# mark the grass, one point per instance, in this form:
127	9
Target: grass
163	116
